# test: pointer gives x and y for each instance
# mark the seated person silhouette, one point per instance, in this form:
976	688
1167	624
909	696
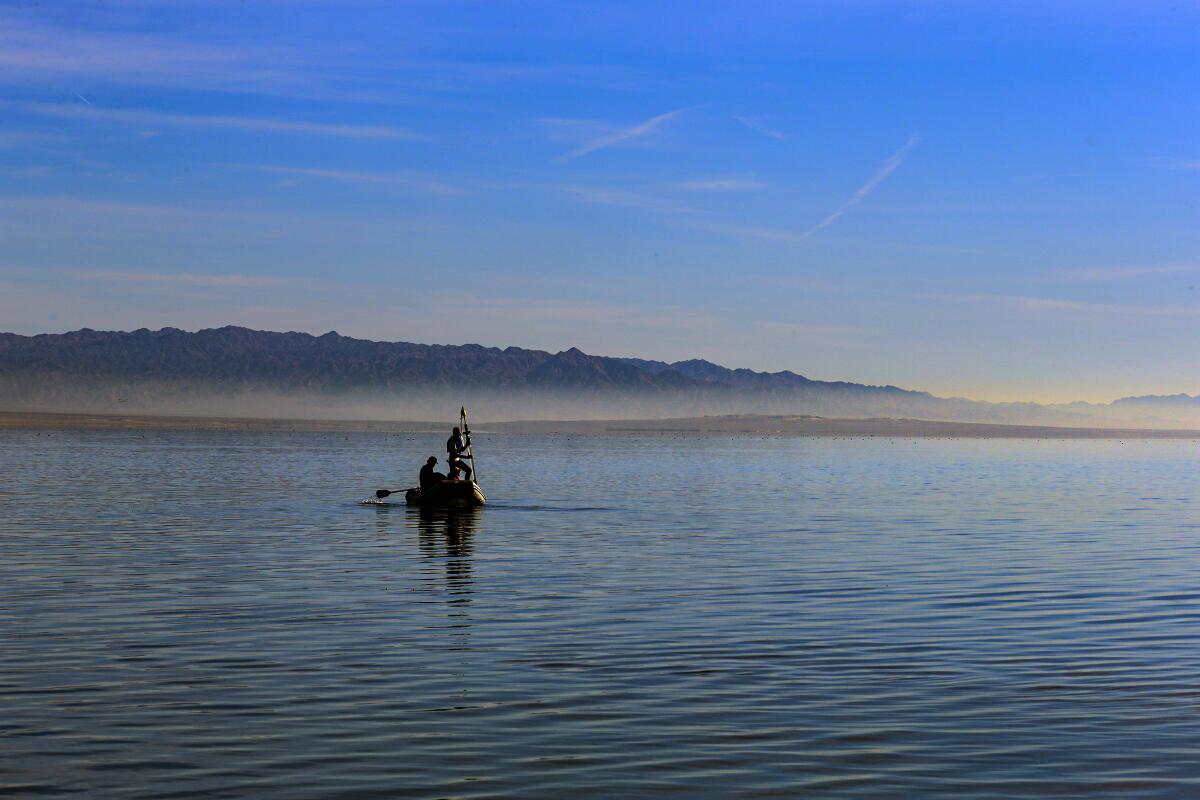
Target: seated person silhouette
429	478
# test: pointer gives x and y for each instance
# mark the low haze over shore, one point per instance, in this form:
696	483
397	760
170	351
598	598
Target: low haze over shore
754	425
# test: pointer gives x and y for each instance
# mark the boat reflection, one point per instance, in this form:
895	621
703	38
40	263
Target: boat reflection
447	534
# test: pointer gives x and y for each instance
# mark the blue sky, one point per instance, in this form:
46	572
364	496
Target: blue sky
995	200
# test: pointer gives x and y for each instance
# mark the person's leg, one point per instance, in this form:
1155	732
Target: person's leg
466	470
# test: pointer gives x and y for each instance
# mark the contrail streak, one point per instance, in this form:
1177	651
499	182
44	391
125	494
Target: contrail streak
623	135
888	167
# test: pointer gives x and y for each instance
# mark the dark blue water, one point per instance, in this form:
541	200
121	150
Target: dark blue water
214	615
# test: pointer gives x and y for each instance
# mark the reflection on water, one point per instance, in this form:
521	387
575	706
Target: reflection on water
216	615
444	539
444	535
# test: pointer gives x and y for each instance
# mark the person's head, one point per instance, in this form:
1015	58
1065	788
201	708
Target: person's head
456	431
431	460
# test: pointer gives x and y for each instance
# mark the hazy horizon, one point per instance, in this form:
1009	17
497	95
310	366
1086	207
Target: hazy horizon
1132	392
295	375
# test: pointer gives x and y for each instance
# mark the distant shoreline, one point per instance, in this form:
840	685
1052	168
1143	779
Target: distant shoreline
754	425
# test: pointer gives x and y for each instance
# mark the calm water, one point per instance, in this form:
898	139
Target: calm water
187	615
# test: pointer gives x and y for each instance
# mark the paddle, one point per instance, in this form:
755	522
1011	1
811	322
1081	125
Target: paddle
462	417
382	493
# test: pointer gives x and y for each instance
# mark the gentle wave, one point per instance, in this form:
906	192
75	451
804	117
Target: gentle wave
213	614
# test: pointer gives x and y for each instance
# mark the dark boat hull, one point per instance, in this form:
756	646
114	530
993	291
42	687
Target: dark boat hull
447	493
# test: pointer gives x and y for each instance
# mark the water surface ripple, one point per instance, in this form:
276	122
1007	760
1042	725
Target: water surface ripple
214	615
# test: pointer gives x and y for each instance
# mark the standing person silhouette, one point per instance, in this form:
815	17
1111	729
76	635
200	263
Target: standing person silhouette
455	447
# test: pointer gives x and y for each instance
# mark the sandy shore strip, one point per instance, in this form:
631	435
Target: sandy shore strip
757	425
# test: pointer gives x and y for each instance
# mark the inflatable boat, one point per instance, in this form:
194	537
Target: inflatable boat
447	493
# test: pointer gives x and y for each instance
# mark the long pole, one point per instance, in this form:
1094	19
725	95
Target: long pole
462	420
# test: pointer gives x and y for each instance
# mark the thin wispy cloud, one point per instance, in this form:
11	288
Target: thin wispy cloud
796	330
398	180
30	48
56	216
444	75
757	125
608	196
1124	273
768	234
721	185
33	52
178	279
258	124
747	231
889	166
58	206
26	138
1030	303
623	136
30	172
1050	176
1052	304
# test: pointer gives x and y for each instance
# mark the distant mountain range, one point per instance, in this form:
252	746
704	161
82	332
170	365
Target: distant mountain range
1150	401
234	370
